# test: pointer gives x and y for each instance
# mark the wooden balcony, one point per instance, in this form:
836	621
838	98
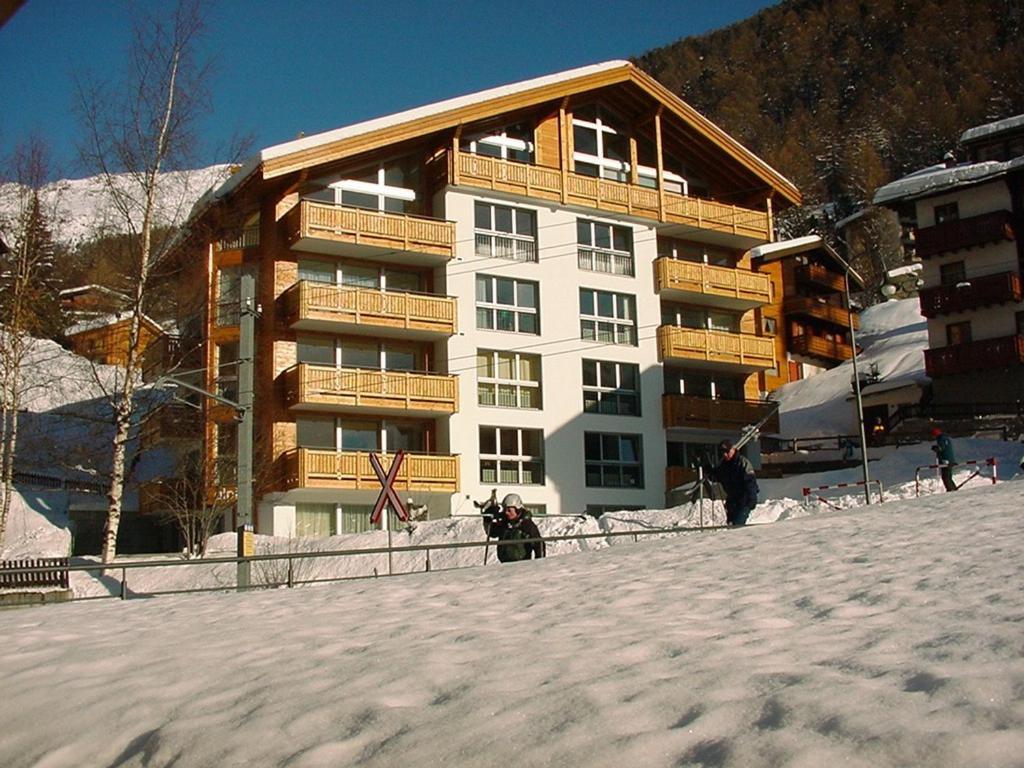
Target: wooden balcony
688	411
171	422
167	353
820	348
974	356
367	311
820	277
974	293
715	349
971	232
351	470
819	310
325	388
246	238
711	285
342	230
694	217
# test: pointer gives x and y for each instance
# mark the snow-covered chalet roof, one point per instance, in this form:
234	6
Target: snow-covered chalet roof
102	321
991	129
785	248
939	179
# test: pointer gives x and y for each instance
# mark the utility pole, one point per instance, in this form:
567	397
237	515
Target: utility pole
246	355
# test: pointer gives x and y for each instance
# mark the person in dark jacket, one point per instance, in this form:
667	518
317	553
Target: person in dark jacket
943	449
511	523
735	473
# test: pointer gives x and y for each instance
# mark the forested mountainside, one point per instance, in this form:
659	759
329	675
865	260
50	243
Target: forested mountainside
842	96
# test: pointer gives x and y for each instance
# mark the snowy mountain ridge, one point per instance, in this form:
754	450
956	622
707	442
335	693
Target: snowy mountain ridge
80	208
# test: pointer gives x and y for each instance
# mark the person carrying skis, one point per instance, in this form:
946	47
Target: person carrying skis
735	473
943	449
511	523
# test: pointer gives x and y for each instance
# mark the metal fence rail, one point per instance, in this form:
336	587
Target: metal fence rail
290	580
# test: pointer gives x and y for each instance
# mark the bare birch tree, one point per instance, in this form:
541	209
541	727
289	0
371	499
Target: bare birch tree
132	136
28	301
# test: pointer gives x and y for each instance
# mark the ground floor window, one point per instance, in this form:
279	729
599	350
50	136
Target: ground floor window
316	520
511	455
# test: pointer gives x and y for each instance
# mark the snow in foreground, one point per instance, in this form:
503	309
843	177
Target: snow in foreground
889	635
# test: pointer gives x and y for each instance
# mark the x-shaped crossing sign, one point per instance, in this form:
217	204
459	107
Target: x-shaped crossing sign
387	493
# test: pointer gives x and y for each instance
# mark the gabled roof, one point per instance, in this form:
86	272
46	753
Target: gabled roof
360	137
104	321
940	179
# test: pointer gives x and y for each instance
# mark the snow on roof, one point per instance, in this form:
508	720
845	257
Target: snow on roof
93	287
439	107
939	178
991	129
102	321
783	248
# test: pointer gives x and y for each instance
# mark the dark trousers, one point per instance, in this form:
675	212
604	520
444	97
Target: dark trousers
737	511
946	471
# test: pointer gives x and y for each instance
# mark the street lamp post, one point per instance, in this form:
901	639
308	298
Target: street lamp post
856	384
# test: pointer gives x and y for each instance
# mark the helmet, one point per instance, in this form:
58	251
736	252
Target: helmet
512	500
935	431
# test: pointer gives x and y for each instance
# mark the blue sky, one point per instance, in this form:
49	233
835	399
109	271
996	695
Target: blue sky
282	68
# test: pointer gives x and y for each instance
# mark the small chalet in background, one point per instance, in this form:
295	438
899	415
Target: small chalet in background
104	338
965	221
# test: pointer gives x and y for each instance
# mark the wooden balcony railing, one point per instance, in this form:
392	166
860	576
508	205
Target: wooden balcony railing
325	222
351	470
821	348
816	274
974	356
964	233
168	353
606	195
697	344
752	288
311	302
708	413
971	294
174	421
247	238
316	385
811	307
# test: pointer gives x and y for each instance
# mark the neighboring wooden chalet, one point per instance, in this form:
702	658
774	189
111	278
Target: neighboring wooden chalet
104	338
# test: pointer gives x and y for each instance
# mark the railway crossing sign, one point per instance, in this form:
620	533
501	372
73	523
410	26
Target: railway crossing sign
388	493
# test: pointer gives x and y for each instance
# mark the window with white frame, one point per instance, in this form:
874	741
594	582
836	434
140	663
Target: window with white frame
613	460
599	149
700	317
610	387
700	253
511	455
358	276
504	232
514	142
508	379
316	520
343	434
507	304
604	247
607	317
387	187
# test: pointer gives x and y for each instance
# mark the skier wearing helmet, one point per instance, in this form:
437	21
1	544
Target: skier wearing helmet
943	450
512	525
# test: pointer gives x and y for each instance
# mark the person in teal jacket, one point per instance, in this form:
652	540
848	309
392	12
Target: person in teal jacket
943	449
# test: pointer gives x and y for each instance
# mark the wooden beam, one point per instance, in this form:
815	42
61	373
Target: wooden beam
565	148
661	165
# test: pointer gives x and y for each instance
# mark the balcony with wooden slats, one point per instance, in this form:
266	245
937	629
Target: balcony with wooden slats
313	306
690	412
974	356
171	422
975	293
709	285
820	348
340	230
330	389
249	237
818	277
351	470
720	350
680	215
972	232
830	313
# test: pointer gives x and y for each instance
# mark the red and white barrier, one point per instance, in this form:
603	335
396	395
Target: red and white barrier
980	463
809	491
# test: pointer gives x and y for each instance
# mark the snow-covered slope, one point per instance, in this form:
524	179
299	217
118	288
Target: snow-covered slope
80	208
893	336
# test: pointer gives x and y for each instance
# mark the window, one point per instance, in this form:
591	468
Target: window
511	455
611	388
604	247
947	212
952	273
316	520
389	187
317	434
598	148
506	304
607	317
514	142
229	295
226	384
699	253
315	350
700	317
226	464
505	233
315	271
358	276
508	379
613	461
958	333
769	326
327	434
